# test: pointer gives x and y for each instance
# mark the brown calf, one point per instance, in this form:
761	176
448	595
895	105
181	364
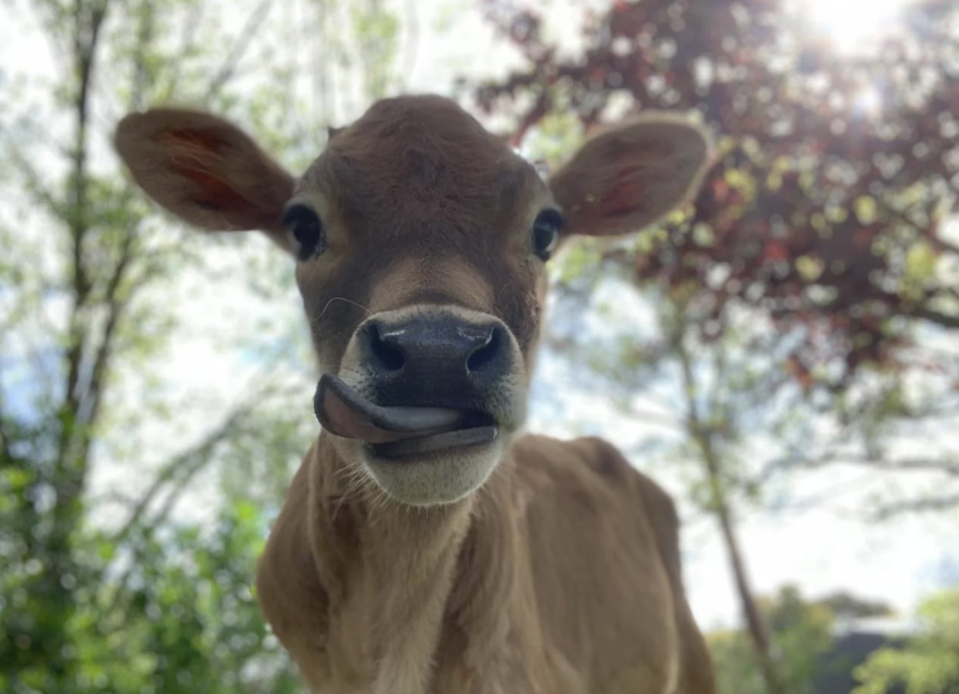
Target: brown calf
425	545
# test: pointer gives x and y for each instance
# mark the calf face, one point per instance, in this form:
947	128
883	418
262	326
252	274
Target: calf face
420	242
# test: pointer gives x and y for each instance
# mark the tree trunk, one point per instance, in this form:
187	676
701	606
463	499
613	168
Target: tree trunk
720	507
755	623
46	640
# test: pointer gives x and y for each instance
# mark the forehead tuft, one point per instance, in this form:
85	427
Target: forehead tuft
422	120
422	146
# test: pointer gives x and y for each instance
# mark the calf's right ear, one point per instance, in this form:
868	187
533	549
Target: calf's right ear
630	176
206	171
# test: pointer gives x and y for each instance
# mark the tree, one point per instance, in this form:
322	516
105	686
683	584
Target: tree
127	586
721	405
81	273
183	619
801	631
927	663
822	216
826	205
812	658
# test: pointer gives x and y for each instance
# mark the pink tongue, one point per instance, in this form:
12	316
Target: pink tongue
344	412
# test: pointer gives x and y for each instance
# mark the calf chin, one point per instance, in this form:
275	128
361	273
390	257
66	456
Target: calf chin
434	479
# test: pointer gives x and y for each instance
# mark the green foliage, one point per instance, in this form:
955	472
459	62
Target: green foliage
927	663
735	667
108	580
184	619
377	33
803	219
800	632
554	138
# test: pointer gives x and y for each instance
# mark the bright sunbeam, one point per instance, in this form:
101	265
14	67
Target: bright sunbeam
868	101
852	25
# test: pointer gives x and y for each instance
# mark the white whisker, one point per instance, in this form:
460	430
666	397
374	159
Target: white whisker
316	320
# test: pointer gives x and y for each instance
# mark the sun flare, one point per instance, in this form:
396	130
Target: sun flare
852	25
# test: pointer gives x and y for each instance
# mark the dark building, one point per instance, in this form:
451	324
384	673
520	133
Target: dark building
834	671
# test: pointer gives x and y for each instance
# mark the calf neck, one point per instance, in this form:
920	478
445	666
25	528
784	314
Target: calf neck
426	545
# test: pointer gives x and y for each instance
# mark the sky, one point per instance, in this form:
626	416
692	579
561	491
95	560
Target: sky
820	549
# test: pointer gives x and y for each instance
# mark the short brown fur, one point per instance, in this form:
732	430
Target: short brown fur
558	575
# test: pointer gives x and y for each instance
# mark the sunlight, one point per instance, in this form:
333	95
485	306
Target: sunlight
869	101
852	25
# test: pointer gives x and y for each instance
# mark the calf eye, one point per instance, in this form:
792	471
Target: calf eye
305	229
545	232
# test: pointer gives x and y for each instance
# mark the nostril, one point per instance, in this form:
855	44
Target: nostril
387	356
485	353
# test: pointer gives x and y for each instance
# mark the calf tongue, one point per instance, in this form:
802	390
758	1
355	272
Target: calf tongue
344	412
395	432
432	443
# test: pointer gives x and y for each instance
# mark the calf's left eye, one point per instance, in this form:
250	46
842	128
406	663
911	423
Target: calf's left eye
545	232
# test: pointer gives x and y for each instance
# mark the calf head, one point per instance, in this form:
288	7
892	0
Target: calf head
421	242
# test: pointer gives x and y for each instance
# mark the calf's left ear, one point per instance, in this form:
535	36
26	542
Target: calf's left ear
631	176
206	171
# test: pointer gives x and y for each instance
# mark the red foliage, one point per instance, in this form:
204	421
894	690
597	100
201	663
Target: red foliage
804	139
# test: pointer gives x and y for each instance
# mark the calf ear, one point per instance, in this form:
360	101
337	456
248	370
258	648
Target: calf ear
632	175
206	171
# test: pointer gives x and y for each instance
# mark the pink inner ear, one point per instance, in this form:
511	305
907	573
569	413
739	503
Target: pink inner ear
624	196
200	140
212	193
629	188
192	154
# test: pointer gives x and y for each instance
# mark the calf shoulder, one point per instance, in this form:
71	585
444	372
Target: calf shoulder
604	539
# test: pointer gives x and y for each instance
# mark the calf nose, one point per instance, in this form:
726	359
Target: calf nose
435	354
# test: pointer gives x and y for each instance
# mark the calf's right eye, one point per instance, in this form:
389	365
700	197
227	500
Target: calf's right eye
545	232
305	230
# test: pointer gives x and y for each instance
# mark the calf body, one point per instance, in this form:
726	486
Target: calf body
561	576
426	544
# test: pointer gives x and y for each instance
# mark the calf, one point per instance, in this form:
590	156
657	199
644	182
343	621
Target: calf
425	545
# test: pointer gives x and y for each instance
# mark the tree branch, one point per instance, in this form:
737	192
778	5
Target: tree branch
39	189
944	466
929	504
141	74
702	434
116	305
228	69
186	463
85	47
927	314
187	43
174	476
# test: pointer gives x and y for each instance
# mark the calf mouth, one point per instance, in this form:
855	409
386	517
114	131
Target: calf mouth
398	432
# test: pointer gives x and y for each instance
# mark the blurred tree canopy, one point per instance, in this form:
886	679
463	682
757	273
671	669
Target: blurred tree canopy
826	202
826	207
825	213
83	278
128	528
800	305
803	630
800	629
721	413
